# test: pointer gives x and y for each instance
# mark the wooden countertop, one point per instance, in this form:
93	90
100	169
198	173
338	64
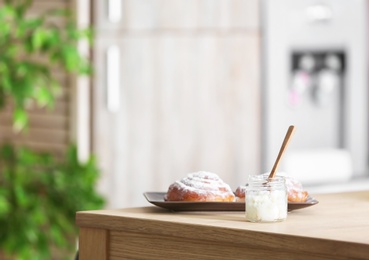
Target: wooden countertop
336	227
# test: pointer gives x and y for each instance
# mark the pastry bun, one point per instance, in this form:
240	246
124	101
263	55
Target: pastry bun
200	186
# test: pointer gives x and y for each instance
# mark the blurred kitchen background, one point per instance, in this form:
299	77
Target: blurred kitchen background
187	85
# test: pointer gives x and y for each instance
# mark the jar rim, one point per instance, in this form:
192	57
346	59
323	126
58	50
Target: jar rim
262	182
265	177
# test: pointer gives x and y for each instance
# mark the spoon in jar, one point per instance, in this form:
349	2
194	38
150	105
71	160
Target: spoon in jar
286	140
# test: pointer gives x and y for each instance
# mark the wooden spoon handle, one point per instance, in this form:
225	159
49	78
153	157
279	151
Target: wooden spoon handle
281	150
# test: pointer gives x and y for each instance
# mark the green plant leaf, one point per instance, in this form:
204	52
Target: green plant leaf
43	96
20	119
26	43
48	192
38	37
20	195
39	193
6	84
4	205
8	11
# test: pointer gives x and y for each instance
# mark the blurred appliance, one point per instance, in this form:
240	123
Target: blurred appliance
315	77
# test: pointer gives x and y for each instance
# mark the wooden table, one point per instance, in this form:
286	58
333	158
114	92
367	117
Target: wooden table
336	228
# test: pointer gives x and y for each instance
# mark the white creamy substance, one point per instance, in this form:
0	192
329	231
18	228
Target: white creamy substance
266	205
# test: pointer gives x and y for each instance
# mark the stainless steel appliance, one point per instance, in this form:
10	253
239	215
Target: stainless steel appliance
315	76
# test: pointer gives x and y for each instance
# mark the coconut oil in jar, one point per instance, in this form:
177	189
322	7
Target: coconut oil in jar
266	199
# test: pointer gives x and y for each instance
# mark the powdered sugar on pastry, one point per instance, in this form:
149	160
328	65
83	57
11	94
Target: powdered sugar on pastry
200	186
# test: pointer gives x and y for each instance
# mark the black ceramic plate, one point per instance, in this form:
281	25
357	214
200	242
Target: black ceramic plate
157	198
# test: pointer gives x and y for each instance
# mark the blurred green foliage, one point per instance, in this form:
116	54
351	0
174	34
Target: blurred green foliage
40	195
31	47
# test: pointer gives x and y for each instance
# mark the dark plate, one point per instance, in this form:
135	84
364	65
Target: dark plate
157	198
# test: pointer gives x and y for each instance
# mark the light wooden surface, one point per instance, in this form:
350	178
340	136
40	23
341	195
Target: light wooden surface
336	228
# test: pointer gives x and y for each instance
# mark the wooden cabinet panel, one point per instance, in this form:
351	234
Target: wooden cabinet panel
178	14
189	94
93	244
188	103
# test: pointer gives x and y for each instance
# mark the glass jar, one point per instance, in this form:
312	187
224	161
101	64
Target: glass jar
266	200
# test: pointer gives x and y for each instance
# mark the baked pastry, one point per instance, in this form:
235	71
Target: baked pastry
295	191
200	186
240	193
